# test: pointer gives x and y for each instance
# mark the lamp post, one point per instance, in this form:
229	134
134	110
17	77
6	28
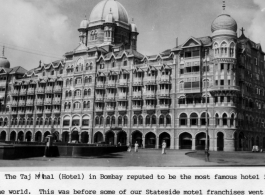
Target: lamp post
206	112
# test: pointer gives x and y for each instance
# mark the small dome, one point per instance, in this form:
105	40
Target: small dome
109	18
102	10
224	22
4	62
84	23
133	28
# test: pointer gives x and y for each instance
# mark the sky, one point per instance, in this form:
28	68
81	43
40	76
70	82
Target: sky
50	27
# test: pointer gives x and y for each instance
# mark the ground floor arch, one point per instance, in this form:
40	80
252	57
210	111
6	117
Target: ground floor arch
164	136
98	137
150	140
185	141
65	137
122	138
220	141
13	135
3	136
74	137
20	136
137	137
45	135
201	140
56	136
84	137
38	136
28	136
110	137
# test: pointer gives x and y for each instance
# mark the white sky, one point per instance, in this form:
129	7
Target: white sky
50	27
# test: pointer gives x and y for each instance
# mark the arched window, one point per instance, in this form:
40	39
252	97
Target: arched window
37	121
217	123
113	120
86	80
232	120
134	120
168	120
108	120
153	120
41	121
97	121
50	121
183	119
46	121
194	119
216	49
87	66
161	120
88	104
1	122
206	83
147	120
140	119
5	122
125	120
120	121
69	105
77	105
232	50
224	49
181	85
70	94
101	120
85	92
182	100
224	119
203	119
89	92
66	94
90	79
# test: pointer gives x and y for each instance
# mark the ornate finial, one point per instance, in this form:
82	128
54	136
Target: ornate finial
3	53
224	5
242	30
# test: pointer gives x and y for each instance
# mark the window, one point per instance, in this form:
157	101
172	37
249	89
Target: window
224	119
134	120
43	74
216	82
228	82
161	120
77	105
66	123
221	82
125	63
222	67
75	122
85	122
183	119
61	71
52	72
193	119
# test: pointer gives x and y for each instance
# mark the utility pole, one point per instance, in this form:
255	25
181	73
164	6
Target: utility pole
206	111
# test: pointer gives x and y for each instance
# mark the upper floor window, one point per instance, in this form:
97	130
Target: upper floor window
125	63
43	73
61	71
52	72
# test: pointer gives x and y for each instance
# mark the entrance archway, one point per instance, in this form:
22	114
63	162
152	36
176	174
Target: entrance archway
164	136
13	136
110	137
84	137
137	136
98	137
28	136
46	134
3	136
220	141
56	136
185	141
38	136
122	138
74	137
65	137
150	140
200	141
20	136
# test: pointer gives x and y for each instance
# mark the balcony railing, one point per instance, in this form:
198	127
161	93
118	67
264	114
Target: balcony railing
56	101
29	111
14	103
122	108
23	92
57	89
164	106
123	82
29	102
40	90
100	85
99	97
138	82
110	97
165	79
14	112
21	112
39	111
39	102
48	111
137	107
111	83
137	95
31	91
151	81
122	96
150	107
56	111
110	108
150	94
22	103
15	92
164	93
48	101
48	90
99	109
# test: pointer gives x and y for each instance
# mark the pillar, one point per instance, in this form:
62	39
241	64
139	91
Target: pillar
115	139
172	142
193	144
143	138
70	137
176	143
157	142
79	137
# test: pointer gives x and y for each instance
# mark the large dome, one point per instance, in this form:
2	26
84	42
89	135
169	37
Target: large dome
103	8
4	62
224	22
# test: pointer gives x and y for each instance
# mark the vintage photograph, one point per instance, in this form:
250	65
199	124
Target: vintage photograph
142	83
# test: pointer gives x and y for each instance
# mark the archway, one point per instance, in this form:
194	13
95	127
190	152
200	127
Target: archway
38	136
74	137
110	137
185	141
56	136
200	141
241	140
13	136
150	140
84	137
3	136
220	141
65	137
122	137
164	136
137	136
45	135
28	136
20	136
98	137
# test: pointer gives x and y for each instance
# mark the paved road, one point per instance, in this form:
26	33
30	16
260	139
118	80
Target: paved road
144	158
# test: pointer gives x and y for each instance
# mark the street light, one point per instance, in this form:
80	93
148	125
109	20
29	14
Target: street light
207	154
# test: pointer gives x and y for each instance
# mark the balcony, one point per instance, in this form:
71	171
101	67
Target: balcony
150	81
31	91
150	107
122	96
15	93
165	79
99	98
111	84
100	85
224	87
67	110
164	94
21	112
57	89
14	103
23	92
137	107
137	95
56	111
56	101
122	108
138	82
40	91
48	111
14	112
39	111
40	102
22	103
29	102
48	90
99	109
29	111
48	101
110	108
123	83
110	97
150	94
164	106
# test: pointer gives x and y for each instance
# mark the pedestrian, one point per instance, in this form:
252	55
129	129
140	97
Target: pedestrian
136	145
129	147
164	145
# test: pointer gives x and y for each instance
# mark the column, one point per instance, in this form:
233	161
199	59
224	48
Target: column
70	137
176	143
172	142
115	139
143	138
79	137
157	142
193	144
